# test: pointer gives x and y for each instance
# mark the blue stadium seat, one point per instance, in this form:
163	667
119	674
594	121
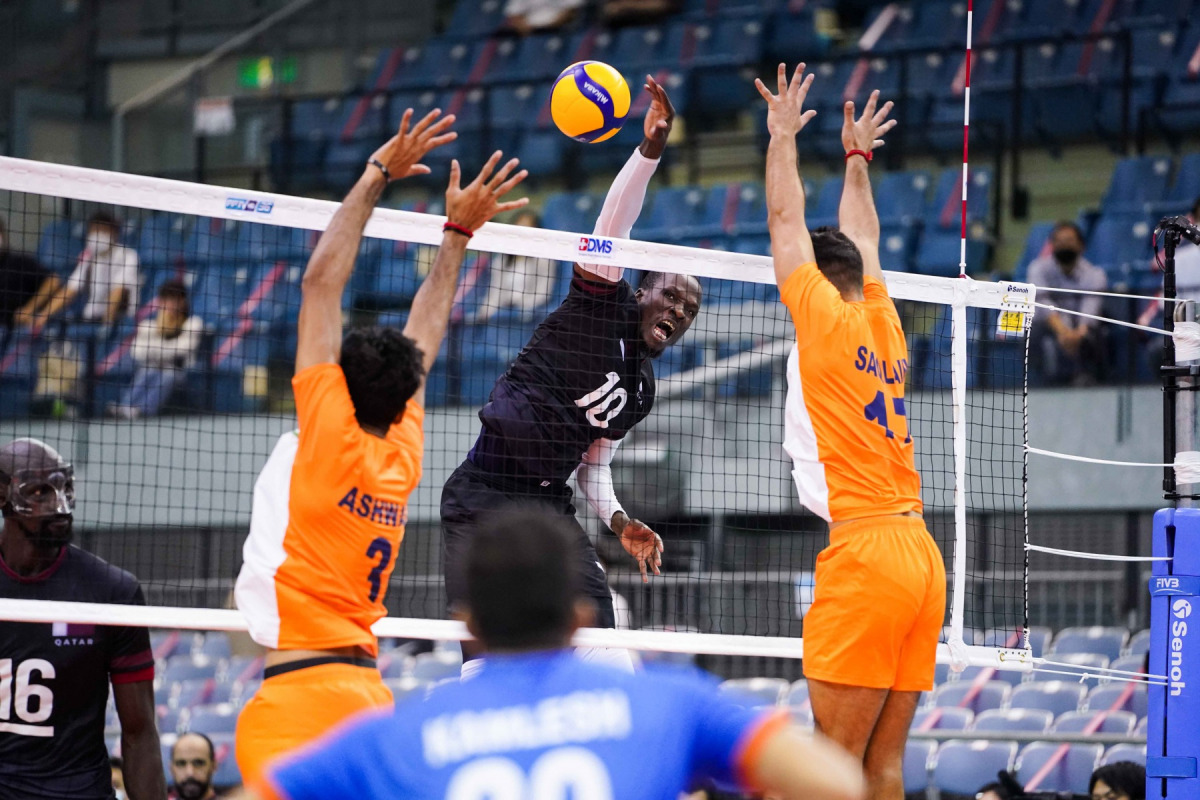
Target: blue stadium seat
398	276
515	106
218	294
487	350
1072	772
436	666
395	665
1139	643
1010	676
227	774
60	244
728	43
1096	639
756	691
797	695
962	766
541	151
1134	662
679	212
824	207
946	718
240	369
793	29
641	48
475	19
1037	244
749	210
165	644
992	694
1135	183
918	755
901	197
212	718
938	253
1044	18
1120	244
437	62
1118	722
1058	697
215	645
575	212
945	209
167	719
1024	720
243	668
161	240
1186	188
189	692
1084	662
188	667
1125	752
1125	696
214	241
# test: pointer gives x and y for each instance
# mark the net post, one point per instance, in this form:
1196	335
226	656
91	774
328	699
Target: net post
1172	736
958	372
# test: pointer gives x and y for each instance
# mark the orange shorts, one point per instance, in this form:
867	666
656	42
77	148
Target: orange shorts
879	603
293	709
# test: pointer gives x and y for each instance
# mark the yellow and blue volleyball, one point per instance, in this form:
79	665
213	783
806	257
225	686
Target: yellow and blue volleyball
590	101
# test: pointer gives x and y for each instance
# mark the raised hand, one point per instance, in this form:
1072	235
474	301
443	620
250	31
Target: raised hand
785	111
659	118
474	204
402	154
639	541
867	131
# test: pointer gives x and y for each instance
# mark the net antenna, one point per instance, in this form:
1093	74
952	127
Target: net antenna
189	72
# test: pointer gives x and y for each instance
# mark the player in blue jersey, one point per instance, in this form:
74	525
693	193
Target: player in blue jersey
537	722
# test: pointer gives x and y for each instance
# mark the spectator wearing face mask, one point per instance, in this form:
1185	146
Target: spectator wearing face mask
163	348
1066	349
105	277
193	764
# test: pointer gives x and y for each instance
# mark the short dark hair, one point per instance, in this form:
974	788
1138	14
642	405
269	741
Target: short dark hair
1000	789
107	220
175	289
650	280
212	751
838	258
1067	225
521	580
383	369
1123	777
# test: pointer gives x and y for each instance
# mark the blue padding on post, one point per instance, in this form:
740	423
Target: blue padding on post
1170	767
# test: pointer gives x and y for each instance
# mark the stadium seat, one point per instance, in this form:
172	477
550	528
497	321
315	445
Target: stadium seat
756	691
1012	677
945	208
1119	722
214	645
1135	183
437	62
436	666
918	755
901	197
247	690
475	19
963	766
1186	188
1119	243
164	644
797	694
1096	639
574	212
227	774
1130	663
1139	643
679	212
1024	720
1125	752
210	719
1071	773
943	719
191	692
403	687
1037	244
60	244
1058	697
395	665
188	667
992	694
243	668
1119	696
167	718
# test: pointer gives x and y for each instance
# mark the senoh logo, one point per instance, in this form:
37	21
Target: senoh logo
1181	609
595	246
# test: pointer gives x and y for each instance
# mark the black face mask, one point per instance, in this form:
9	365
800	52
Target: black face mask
1066	256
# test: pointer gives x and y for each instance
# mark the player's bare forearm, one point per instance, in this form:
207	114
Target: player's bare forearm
319	334
857	217
790	240
794	765
430	312
139	741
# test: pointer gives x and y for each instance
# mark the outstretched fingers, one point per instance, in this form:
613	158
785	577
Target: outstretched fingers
488	167
883	113
764	91
508	185
503	174
427	120
455	174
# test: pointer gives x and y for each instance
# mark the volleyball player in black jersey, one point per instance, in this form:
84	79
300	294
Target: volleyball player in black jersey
581	383
54	677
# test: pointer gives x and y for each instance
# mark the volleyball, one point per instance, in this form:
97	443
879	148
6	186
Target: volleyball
590	101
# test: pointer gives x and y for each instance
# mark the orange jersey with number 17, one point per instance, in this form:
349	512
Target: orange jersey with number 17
328	517
845	424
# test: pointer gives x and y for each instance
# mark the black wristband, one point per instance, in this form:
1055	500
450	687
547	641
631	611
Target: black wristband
375	162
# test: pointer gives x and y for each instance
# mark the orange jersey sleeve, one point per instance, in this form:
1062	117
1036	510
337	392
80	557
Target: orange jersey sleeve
315	576
846	424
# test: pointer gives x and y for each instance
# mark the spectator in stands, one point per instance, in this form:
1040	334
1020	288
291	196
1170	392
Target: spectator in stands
163	348
1067	349
1121	780
993	791
118	777
637	12
106	276
521	283
25	286
193	764
530	16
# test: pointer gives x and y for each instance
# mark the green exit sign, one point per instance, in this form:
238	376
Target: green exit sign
265	72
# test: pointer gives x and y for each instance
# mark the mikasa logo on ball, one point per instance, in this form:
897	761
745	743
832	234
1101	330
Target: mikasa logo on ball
600	96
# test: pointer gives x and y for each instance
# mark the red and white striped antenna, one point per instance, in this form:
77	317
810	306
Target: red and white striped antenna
962	251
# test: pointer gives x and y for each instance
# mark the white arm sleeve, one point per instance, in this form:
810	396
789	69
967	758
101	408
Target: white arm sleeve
622	207
594	478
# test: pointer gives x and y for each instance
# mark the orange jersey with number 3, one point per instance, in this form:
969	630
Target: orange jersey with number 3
845	423
328	517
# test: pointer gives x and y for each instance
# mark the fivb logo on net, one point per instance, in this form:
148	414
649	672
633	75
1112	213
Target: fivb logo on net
249	205
1181	609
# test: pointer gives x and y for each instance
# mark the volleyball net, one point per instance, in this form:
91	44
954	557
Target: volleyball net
166	463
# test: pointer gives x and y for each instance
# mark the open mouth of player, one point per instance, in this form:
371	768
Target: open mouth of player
663	329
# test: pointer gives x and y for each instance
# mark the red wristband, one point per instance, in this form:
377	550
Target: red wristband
459	229
862	153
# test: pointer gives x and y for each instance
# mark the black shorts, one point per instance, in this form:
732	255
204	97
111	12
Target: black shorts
469	493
